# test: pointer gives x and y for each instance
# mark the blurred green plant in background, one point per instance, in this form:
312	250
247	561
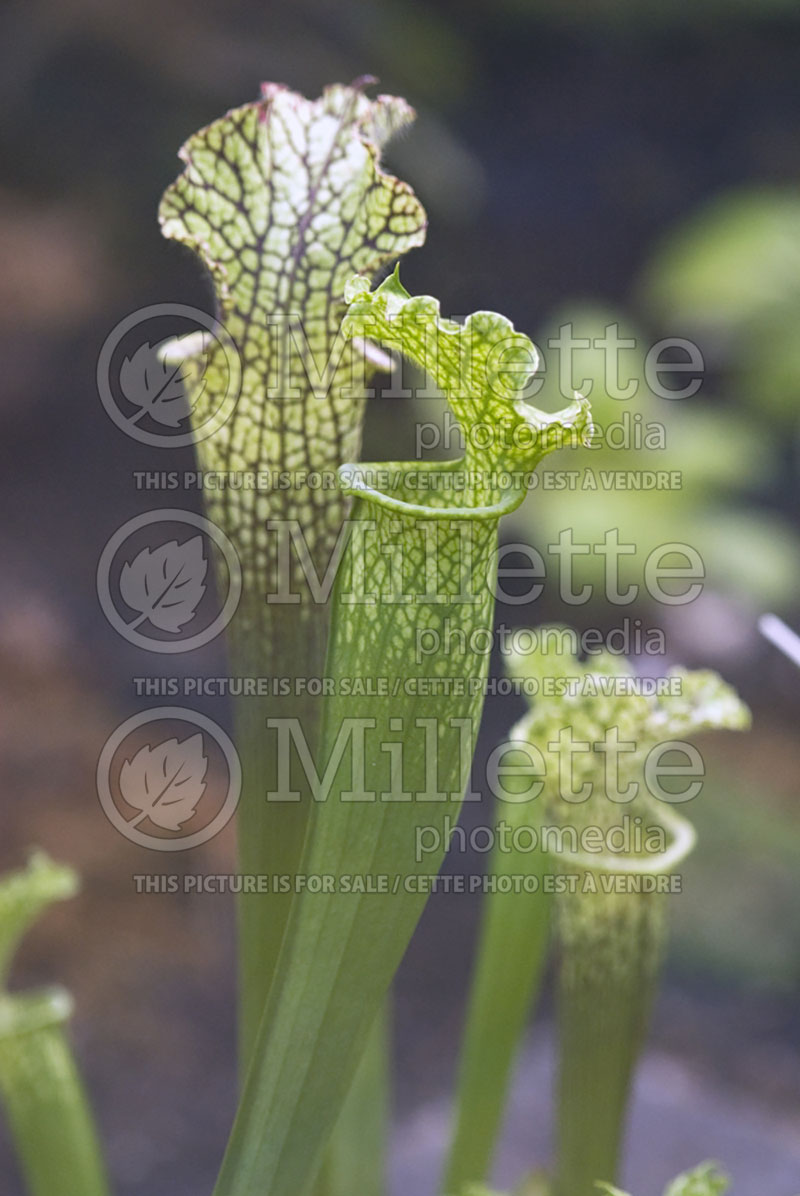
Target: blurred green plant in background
722	459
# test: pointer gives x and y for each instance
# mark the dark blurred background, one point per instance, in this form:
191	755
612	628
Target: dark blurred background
599	162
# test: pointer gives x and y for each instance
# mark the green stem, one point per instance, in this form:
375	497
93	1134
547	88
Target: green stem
288	644
395	753
607	981
343	946
610	910
511	952
355	1159
45	1100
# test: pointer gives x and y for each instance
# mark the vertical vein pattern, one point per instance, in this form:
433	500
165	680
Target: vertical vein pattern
610	940
284	200
396	754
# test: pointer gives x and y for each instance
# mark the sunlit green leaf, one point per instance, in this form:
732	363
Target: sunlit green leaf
611	923
283	199
50	1119
421	554
705	1180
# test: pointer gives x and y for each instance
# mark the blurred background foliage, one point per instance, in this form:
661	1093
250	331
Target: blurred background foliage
588	161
